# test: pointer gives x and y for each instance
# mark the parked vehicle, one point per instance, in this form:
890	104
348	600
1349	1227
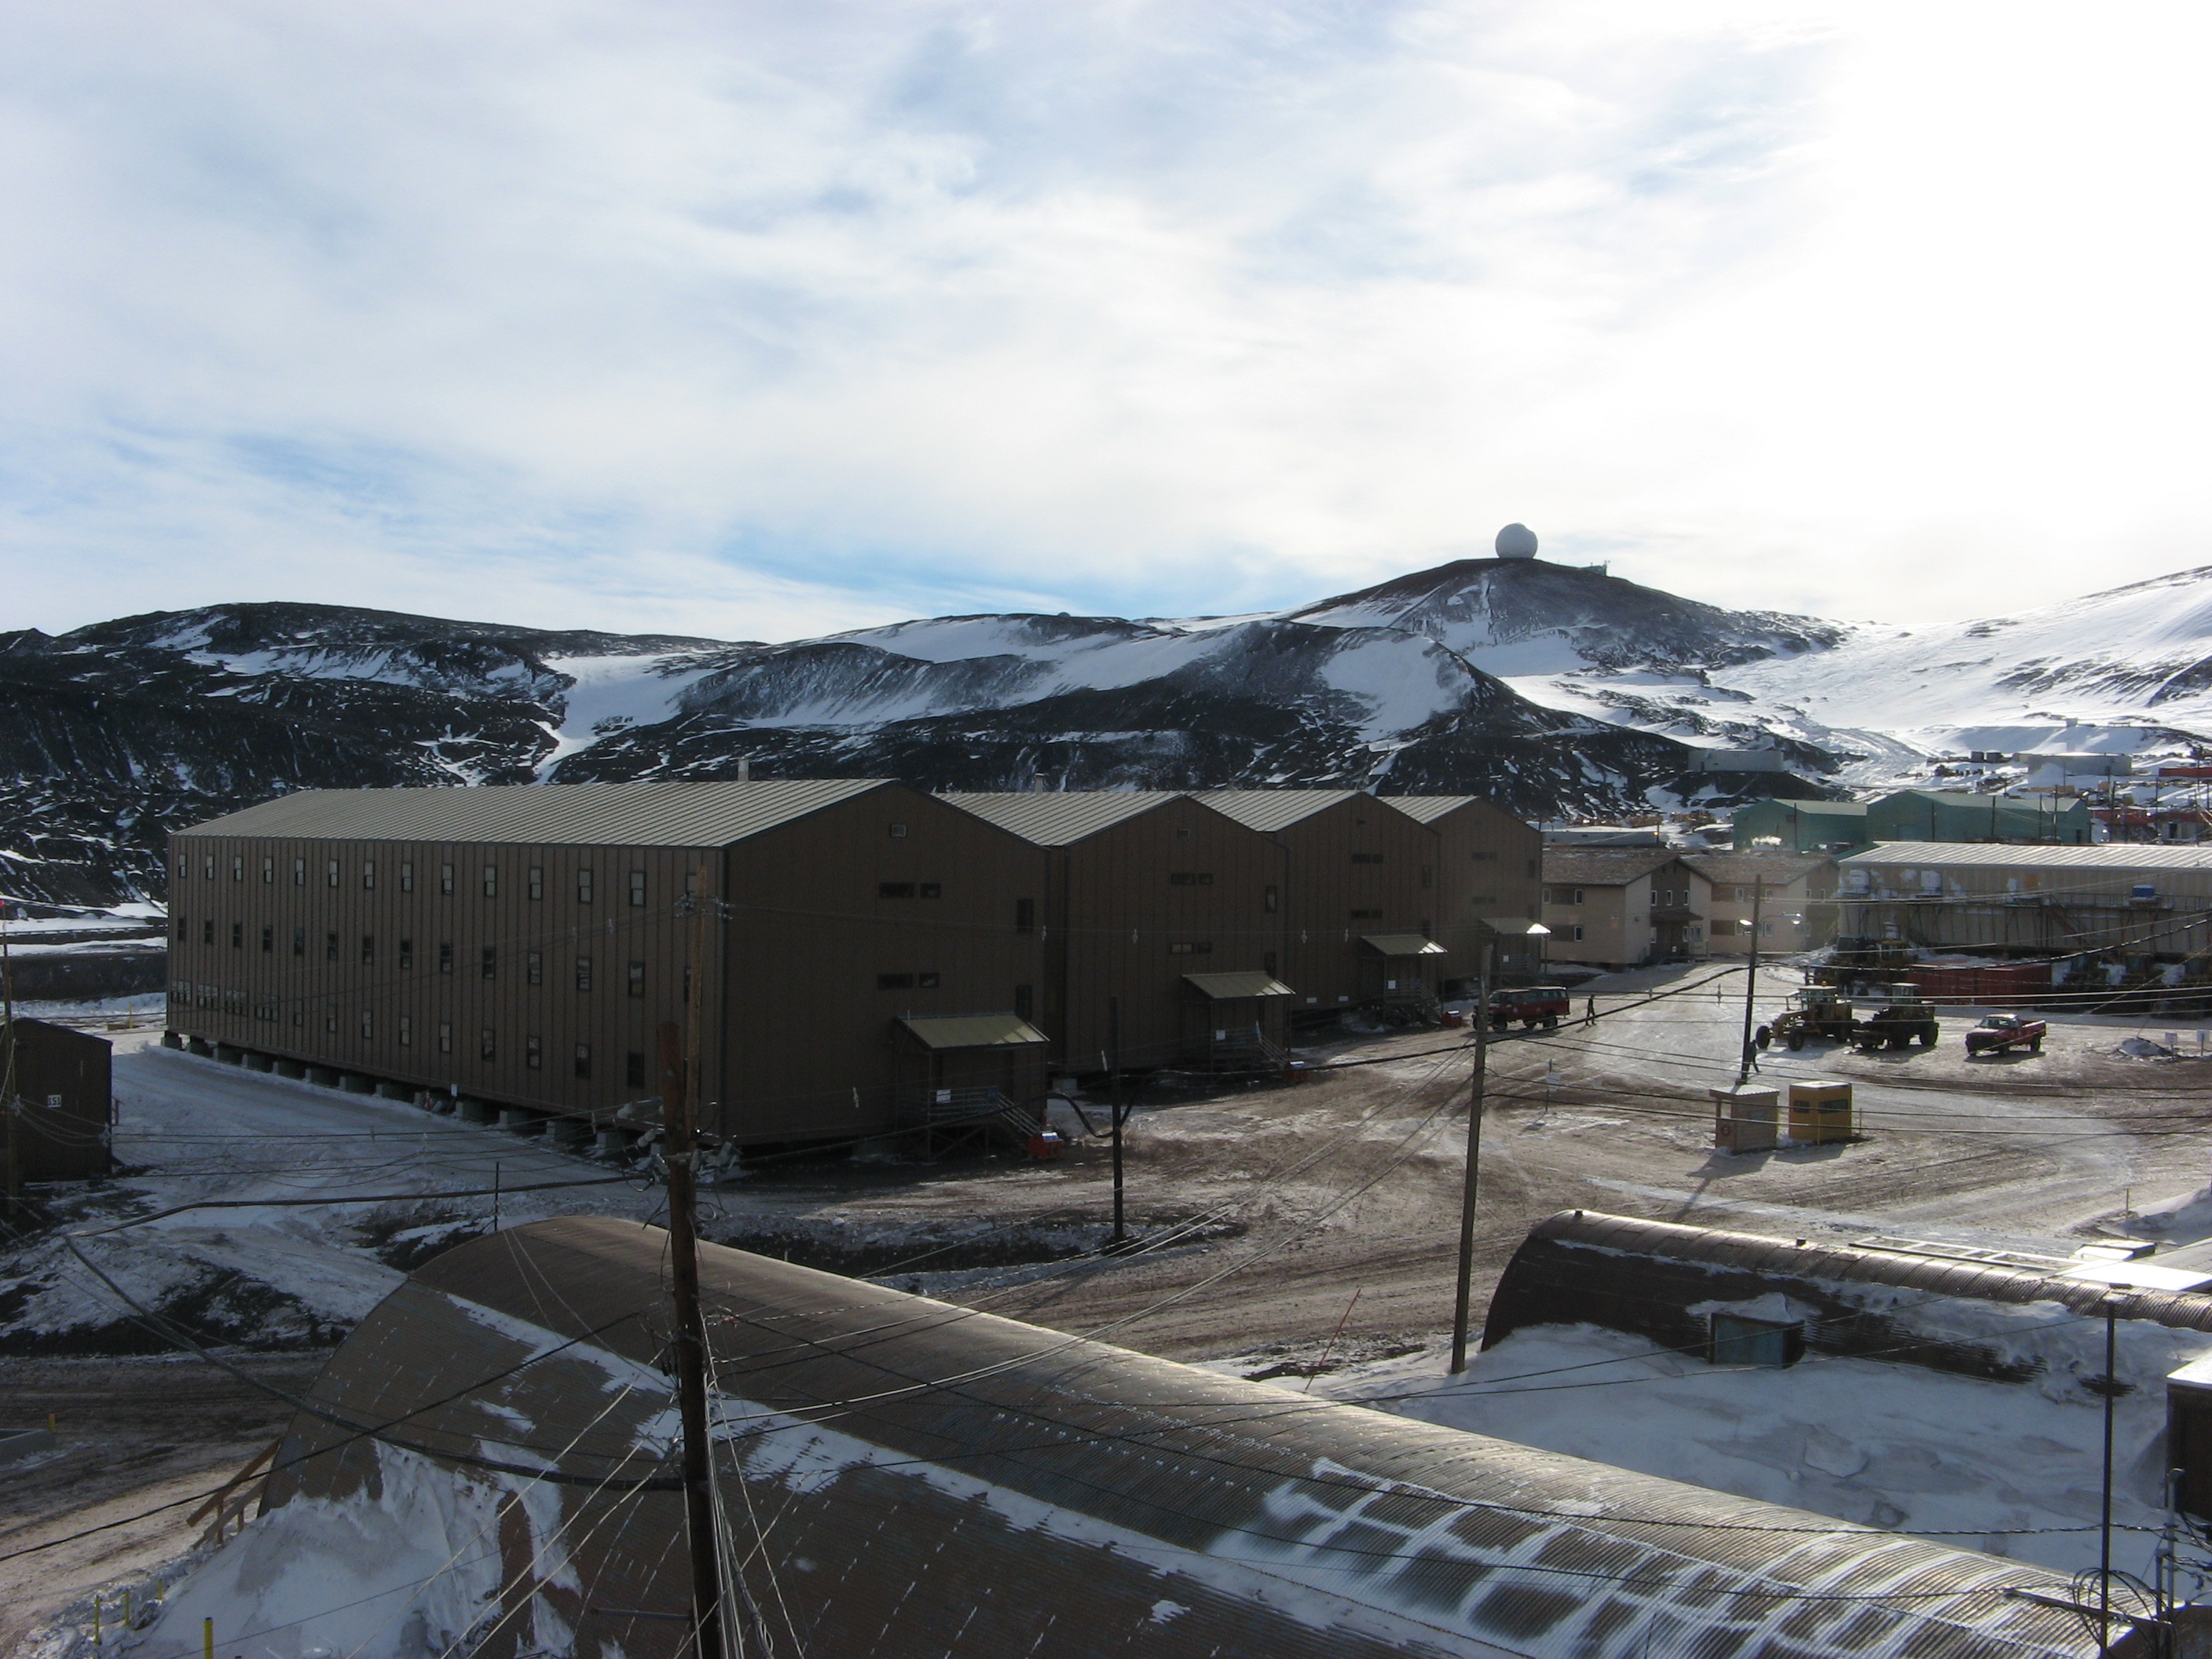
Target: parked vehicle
1531	1004
1998	1032
1818	1012
1906	1017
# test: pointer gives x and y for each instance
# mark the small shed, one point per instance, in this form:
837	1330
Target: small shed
61	1077
1746	1118
1399	970
969	1069
1234	1022
1820	1112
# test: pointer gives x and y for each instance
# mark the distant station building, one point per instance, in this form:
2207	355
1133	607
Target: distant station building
1842	827
2131	898
1623	907
1782	901
58	1080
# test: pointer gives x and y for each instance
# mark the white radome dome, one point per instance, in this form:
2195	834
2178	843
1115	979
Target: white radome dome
1516	541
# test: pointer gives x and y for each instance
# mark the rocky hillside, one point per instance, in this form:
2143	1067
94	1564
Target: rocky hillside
129	728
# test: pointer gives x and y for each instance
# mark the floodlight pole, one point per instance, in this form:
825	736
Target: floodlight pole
1472	1172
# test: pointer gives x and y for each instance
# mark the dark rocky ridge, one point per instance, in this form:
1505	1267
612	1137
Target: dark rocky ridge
126	730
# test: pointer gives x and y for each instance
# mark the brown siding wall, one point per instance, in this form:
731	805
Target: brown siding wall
1489	863
812	1046
407	997
1119	917
1330	901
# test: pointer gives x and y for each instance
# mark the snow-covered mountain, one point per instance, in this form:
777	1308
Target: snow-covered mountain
1552	688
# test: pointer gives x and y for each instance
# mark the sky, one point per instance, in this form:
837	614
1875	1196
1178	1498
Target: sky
757	320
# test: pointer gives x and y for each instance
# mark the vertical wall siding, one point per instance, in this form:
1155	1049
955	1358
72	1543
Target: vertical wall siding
1326	964
811	1044
1488	864
306	1006
1122	913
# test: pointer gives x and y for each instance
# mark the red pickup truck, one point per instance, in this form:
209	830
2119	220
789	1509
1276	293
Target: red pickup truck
1532	1004
1999	1032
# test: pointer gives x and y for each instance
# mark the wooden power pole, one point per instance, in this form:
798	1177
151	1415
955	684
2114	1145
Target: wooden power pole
680	1049
1474	1162
1750	986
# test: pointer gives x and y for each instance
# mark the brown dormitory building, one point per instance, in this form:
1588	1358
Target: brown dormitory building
870	957
1164	926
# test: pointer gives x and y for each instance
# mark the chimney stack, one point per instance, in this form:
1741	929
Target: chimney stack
744	771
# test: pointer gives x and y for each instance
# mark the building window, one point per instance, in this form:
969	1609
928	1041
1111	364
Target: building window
1738	1341
906	982
491	881
584	886
1024	1001
184	929
488	962
237	935
268	873
330	947
299	872
331	1023
1190	878
207	932
1428	875
894	889
537	888
583	973
533	1053
1267	964
1025	915
533	967
1271	900
634	1070
444	1036
331	872
637	889
406	1030
487	1046
1576	934
406	956
368	949
1367	858
368	1025
446	879
208	868
406	875
583	1061
1186	949
299	941
268	941
238	866
636	979
898	832
369	875
1367	915
445	959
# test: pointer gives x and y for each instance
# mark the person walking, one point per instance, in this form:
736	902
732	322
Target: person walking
1590	1010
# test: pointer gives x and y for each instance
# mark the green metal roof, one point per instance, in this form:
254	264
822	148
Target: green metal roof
973	1031
1222	985
707	814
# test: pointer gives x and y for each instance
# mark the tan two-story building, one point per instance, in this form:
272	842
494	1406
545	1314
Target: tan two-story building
1790	895
1624	907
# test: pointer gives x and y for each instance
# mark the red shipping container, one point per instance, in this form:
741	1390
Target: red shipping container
2014	985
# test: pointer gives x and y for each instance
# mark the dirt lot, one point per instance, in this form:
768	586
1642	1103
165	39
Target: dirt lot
1272	1216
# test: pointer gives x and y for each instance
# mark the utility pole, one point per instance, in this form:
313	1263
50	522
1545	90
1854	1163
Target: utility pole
680	1048
2111	1310
1468	1180
11	1099
1751	982
1114	1048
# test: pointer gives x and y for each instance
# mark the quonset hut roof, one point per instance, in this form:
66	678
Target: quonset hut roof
903	1477
1876	1298
671	814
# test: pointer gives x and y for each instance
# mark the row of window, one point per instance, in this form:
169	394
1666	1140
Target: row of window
533	962
333	875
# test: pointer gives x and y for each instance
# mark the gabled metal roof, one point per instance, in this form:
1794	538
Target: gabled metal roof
1604	866
1268	810
705	814
1060	817
901	1472
1404	944
2111	858
973	1031
1220	986
1427	809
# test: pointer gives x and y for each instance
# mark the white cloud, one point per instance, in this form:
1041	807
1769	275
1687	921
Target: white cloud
761	319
